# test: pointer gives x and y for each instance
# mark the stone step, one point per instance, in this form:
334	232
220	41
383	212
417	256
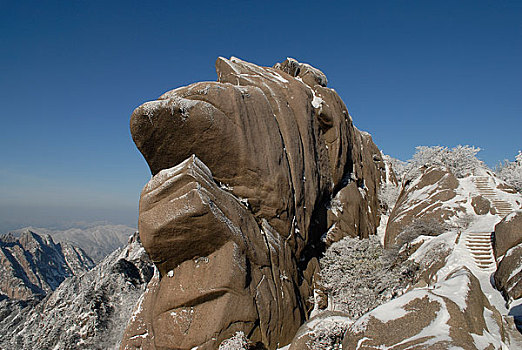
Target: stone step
483	258
477	250
487	256
484	262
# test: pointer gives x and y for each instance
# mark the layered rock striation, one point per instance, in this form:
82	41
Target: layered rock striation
249	173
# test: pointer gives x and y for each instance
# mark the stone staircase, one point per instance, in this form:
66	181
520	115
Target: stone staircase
481	249
502	207
479	244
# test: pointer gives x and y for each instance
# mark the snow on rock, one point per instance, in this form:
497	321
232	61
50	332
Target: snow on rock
284	145
33	265
454	312
322	332
508	251
438	196
87	311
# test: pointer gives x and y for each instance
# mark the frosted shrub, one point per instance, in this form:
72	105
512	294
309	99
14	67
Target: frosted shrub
460	160
328	334
422	227
358	277
511	172
388	194
399	167
237	342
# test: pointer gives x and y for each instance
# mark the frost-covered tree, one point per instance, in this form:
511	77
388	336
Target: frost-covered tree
237	342
328	334
388	194
511	172
460	160
358	277
399	167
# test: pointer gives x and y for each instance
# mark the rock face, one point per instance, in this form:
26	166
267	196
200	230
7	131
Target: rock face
508	233
453	314
244	173
508	251
429	197
85	312
481	205
32	265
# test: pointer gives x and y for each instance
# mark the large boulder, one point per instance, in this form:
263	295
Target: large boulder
430	197
481	205
454	313
244	172
508	233
508	252
508	277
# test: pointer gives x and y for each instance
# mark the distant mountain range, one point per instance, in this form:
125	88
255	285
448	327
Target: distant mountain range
98	240
33	265
86	311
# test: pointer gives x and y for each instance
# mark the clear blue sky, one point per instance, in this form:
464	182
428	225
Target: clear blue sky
71	73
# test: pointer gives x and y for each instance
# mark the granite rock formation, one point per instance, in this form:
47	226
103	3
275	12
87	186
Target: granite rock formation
508	251
454	313
508	233
427	197
32	266
247	173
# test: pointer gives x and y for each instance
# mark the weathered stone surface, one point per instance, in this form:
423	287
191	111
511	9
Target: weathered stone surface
353	210
508	277
32	265
278	146
508	233
481	206
309	75
428	198
432	318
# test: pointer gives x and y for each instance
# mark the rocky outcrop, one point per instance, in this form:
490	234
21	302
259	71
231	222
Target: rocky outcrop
32	265
85	312
481	205
429	197
508	251
244	173
508	233
453	314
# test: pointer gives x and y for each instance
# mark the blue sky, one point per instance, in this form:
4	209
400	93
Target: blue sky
71	73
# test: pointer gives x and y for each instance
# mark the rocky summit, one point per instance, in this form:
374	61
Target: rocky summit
253	176
33	265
